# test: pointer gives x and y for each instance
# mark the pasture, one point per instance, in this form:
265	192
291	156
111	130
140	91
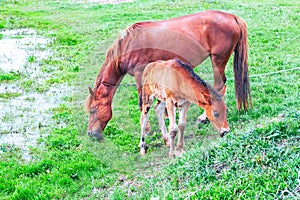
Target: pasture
258	159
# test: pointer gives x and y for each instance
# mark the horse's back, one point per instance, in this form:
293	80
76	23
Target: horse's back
159	72
192	38
204	17
168	77
211	29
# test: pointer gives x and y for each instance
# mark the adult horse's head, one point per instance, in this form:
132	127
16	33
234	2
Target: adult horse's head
99	101
100	111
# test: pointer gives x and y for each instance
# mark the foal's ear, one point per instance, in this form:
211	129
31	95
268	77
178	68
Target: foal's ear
92	93
222	92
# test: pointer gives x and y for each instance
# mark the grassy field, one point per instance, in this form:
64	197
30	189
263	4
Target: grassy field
259	159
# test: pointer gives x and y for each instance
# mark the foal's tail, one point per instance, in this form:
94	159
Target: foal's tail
240	65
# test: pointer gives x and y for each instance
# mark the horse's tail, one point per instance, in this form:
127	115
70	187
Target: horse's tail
240	65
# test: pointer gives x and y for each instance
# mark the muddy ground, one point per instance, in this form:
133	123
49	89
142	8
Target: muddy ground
25	110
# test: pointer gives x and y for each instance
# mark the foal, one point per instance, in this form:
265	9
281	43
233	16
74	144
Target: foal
175	84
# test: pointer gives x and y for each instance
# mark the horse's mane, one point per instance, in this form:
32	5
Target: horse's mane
113	55
114	52
88	102
187	68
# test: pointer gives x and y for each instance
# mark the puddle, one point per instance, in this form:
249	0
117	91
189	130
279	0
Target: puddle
17	46
24	114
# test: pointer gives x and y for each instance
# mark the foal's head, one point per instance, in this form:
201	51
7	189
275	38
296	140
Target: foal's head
216	112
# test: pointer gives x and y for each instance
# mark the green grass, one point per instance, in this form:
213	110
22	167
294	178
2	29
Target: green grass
8	95
258	159
31	59
261	163
10	76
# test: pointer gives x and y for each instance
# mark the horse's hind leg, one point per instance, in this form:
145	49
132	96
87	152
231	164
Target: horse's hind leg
202	118
160	110
181	125
219	64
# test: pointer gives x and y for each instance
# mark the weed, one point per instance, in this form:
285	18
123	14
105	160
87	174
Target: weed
31	59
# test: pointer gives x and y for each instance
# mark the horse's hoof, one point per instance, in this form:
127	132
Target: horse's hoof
180	153
95	135
201	120
171	154
142	151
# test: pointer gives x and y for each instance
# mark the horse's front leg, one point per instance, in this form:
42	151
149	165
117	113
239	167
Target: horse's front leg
143	121
181	125
160	110
147	102
138	79
173	129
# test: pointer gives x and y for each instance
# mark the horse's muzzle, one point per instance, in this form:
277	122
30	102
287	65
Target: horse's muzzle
95	134
223	131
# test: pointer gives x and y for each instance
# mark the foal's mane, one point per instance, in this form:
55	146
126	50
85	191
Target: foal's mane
189	70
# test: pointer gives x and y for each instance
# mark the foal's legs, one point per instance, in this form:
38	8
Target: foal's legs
202	118
144	121
138	78
173	129
160	111
181	125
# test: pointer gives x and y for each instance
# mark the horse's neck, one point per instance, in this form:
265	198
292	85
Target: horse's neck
108	80
200	93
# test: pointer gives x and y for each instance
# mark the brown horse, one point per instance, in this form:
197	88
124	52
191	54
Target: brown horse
175	84
190	38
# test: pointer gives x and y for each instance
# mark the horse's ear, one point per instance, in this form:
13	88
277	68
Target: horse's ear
222	92
92	93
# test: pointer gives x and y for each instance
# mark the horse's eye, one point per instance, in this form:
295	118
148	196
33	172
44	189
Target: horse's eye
93	111
216	114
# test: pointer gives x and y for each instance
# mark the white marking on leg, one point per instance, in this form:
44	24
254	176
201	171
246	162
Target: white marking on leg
173	129
144	121
147	102
160	110
181	125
